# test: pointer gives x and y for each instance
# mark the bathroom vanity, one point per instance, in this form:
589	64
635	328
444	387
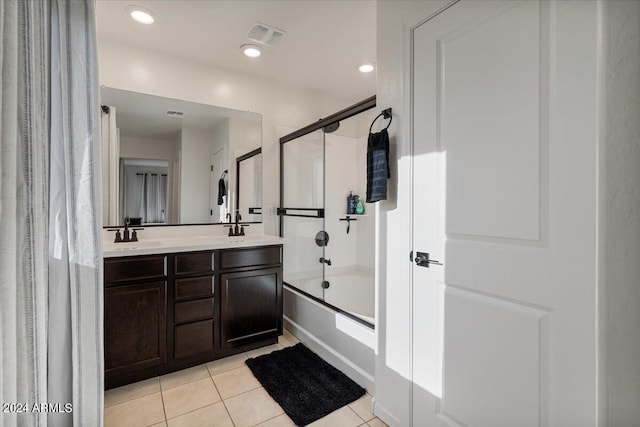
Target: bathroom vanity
184	304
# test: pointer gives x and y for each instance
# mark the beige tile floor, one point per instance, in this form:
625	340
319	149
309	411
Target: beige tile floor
222	393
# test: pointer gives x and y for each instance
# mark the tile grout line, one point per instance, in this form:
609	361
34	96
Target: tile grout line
365	421
272	418
164	410
160	389
226	370
357	415
193	410
222	400
211	375
137	397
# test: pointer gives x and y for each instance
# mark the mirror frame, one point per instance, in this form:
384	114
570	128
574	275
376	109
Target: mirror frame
247	156
237	113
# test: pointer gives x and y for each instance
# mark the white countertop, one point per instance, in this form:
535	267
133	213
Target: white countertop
165	245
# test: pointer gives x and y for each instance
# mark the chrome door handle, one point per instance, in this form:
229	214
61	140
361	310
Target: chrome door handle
422	260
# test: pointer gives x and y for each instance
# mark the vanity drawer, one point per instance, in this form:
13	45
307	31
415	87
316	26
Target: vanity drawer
195	262
250	257
193	339
134	268
190	311
194	287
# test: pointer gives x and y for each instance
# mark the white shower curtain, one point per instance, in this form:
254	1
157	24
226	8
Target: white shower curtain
153	203
50	253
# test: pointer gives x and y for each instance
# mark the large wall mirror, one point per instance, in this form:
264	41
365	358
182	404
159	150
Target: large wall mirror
249	185
170	162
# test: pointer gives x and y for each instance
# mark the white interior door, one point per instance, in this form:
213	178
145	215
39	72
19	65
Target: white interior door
110	140
504	198
218	212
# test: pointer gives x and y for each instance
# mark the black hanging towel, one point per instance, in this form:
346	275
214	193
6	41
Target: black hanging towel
377	166
222	189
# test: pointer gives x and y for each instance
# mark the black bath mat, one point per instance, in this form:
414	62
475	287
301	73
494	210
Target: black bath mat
306	387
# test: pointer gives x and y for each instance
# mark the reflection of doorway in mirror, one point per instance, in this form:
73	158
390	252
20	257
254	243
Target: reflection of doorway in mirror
218	211
146	189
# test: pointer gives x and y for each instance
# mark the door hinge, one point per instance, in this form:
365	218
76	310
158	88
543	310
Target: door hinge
411	256
211	212
211	168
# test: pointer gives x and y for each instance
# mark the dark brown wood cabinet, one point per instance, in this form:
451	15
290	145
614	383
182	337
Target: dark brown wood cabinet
168	312
194	307
141	308
251	306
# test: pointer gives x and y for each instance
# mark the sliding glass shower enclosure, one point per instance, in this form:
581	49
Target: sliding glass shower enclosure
329	254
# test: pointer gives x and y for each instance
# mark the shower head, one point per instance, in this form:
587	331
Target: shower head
331	128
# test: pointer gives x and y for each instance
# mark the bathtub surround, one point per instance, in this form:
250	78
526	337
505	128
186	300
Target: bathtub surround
51	304
330	307
343	342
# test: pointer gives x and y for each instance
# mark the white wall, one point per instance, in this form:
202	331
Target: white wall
144	148
140	70
619	320
393	316
220	143
221	138
366	243
250	193
195	191
346	171
340	178
244	136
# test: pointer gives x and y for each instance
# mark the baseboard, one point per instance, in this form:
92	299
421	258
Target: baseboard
329	354
385	415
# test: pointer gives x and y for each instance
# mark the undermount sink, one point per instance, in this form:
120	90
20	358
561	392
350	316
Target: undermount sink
185	243
127	246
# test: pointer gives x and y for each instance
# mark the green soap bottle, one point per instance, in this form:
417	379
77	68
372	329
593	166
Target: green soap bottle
360	206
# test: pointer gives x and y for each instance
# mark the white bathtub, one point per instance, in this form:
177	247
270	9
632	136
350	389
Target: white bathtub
350	289
345	343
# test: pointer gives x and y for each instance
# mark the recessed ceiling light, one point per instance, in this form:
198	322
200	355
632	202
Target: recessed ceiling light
366	68
141	14
251	50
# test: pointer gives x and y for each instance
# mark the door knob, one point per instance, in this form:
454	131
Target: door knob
422	260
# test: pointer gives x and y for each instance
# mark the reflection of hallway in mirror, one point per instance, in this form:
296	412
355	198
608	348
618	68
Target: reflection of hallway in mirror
199	142
219	197
145	190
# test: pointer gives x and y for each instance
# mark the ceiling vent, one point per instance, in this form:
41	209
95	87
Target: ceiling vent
265	34
172	113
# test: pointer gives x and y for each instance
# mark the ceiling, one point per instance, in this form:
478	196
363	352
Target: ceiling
326	40
145	116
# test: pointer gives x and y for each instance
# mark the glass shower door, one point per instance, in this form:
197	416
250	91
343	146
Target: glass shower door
302	212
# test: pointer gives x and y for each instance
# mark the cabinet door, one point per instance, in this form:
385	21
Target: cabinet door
135	335
251	306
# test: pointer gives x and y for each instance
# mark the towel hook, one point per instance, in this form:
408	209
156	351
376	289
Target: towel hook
386	113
